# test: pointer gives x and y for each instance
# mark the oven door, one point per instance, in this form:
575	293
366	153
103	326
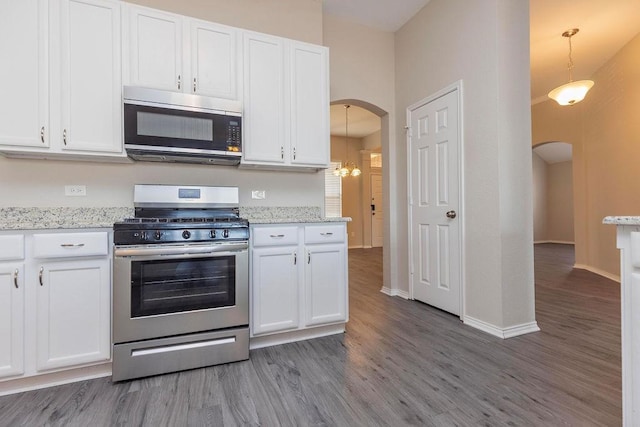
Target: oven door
166	290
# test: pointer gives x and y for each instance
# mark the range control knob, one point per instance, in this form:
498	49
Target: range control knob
144	236
212	234
225	234
157	235
186	234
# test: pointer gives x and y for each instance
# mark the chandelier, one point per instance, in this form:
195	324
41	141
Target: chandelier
572	92
348	168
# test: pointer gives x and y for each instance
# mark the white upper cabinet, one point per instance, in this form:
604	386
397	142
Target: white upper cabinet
155	43
286	103
91	80
64	78
214	60
174	52
310	139
264	139
24	104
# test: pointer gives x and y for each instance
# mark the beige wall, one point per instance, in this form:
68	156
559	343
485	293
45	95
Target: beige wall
491	57
539	199
605	133
552	201
362	71
560	202
41	183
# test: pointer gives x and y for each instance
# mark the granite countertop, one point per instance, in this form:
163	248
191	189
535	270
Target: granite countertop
68	218
622	220
284	215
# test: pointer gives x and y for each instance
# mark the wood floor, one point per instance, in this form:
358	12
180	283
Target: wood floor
400	363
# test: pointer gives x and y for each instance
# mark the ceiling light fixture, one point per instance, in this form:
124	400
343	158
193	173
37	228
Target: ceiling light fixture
572	92
349	168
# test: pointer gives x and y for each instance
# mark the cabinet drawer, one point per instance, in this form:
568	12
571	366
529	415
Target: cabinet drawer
274	236
67	245
11	247
324	233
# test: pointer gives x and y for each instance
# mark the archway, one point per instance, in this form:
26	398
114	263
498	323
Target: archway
363	146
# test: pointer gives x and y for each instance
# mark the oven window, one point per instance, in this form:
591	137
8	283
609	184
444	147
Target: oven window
172	286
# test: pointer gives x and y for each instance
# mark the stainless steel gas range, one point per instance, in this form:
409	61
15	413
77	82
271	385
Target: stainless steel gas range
180	281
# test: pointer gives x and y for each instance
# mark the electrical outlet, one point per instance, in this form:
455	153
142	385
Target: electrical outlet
75	190
258	194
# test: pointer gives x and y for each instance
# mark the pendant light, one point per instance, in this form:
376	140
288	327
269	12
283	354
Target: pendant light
572	92
349	168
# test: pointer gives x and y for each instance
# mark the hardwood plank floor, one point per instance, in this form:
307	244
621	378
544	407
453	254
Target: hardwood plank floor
400	363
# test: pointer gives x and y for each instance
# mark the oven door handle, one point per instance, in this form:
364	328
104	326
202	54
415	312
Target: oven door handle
180	250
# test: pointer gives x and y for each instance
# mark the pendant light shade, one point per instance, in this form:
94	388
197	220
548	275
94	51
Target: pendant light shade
572	92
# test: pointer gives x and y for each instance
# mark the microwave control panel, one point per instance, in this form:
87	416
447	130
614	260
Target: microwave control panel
234	134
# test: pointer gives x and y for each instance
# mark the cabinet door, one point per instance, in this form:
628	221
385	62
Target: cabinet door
24	104
91	76
73	317
155	40
11	319
274	286
310	142
213	60
265	138
325	284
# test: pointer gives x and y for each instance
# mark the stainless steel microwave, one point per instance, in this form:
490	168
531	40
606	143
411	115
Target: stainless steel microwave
169	126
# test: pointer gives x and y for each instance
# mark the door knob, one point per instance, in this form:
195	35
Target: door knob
451	214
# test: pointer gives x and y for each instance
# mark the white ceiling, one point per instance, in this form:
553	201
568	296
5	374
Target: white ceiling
605	27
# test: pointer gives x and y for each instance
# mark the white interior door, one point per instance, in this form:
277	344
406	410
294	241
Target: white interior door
434	141
377	214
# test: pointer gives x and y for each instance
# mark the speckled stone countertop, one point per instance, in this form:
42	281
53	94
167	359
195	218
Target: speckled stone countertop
52	218
622	220
284	215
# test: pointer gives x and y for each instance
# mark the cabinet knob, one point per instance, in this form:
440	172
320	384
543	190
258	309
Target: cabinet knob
179	82
295	258
282	152
194	85
64	136
40	276
42	134
15	278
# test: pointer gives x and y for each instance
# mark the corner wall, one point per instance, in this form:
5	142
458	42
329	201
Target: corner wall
491	57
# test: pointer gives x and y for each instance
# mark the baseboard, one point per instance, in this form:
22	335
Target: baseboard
558	242
395	292
598	272
18	385
367	246
278	338
356	247
504	333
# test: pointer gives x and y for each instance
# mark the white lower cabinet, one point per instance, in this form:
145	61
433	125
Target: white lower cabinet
298	278
275	289
11	318
55	302
325	288
73	313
